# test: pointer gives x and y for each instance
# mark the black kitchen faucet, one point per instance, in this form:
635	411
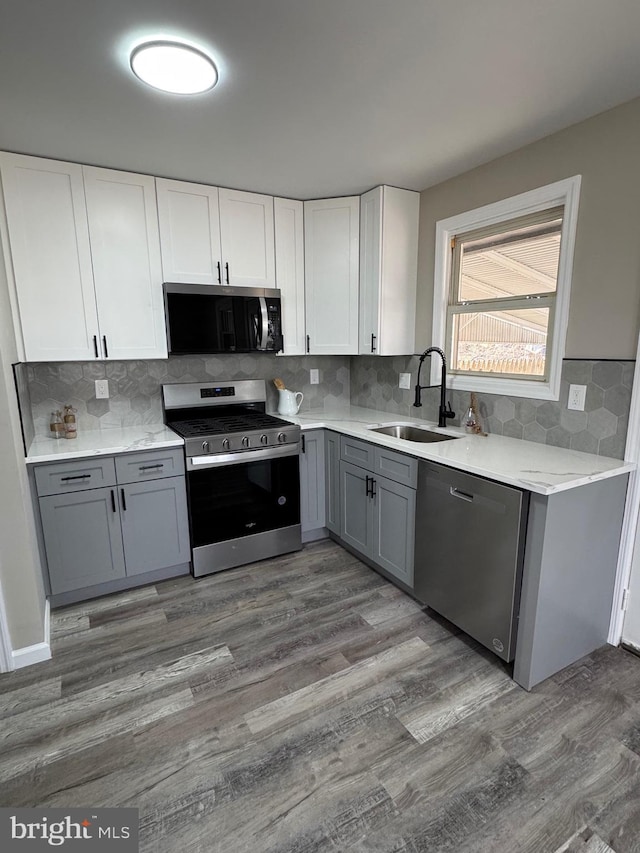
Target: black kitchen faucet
444	409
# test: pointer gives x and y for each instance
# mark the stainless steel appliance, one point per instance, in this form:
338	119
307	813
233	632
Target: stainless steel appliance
203	318
469	551
243	473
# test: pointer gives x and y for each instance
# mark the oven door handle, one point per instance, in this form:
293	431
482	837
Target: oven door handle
201	463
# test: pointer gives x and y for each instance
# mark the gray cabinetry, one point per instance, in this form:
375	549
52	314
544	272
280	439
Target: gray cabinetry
377	513
155	527
82	536
356	523
312	485
332	481
98	540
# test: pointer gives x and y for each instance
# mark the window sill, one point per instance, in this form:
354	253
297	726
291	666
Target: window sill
504	387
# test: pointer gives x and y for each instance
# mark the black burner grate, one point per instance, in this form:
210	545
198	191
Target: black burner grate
225	424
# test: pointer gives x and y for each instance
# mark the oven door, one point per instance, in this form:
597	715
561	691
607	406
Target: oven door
243	507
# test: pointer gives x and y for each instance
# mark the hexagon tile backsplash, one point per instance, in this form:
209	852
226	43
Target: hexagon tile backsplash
600	429
134	386
369	381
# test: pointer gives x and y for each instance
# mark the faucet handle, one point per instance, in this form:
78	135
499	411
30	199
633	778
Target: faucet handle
449	413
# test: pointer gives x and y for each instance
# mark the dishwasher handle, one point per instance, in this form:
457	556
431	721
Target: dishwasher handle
464	496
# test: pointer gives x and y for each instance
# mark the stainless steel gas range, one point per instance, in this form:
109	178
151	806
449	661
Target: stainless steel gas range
243	475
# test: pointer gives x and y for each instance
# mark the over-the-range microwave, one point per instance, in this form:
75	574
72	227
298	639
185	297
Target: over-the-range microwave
208	319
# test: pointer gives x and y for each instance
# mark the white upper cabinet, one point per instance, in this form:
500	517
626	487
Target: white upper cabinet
215	236
289	232
246	231
331	275
189	232
388	270
125	248
50	258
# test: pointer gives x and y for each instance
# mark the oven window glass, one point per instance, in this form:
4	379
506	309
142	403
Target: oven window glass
241	499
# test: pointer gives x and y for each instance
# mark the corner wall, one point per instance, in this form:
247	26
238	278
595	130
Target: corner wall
605	294
20	571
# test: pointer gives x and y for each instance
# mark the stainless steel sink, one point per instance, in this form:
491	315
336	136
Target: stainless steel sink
412	433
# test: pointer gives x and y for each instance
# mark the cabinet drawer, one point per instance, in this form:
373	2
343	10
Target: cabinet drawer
150	465
396	466
357	452
58	477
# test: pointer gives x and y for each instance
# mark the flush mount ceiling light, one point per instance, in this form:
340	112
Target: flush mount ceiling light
174	67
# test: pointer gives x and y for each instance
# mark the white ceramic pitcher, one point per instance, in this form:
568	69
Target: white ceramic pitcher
288	402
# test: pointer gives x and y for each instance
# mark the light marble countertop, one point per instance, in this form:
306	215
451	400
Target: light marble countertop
102	442
535	467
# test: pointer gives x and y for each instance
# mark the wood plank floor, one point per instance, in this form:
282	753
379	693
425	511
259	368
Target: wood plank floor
305	704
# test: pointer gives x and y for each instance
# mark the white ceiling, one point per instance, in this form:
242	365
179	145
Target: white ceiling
316	97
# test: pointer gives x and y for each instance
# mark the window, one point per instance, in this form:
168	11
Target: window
503	275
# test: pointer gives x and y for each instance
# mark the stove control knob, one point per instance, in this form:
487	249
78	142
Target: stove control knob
245	441
264	439
225	443
205	446
282	437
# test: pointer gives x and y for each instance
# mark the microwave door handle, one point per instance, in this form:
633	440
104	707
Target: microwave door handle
264	336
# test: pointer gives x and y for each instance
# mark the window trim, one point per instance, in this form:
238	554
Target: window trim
565	193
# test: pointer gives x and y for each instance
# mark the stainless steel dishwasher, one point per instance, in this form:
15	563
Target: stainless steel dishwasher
469	551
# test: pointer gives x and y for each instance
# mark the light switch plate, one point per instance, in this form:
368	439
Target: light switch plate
577	396
314	377
102	389
405	380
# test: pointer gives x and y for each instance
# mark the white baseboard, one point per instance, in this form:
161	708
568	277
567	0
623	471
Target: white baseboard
39	652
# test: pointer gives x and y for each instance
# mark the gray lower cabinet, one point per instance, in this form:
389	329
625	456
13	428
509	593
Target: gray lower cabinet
377	513
82	538
394	528
356	523
332	480
155	527
312	499
100	539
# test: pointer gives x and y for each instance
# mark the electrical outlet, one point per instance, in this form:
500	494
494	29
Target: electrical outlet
102	389
314	377
577	395
405	380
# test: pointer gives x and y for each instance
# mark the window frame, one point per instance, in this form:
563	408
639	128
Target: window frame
565	193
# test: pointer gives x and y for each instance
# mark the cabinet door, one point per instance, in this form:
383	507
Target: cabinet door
394	528
82	539
388	270
246	230
189	232
289	231
331	275
155	528
332	481
125	247
312	509
50	254
356	521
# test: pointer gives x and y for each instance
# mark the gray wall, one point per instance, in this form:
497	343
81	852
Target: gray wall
20	572
605	296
